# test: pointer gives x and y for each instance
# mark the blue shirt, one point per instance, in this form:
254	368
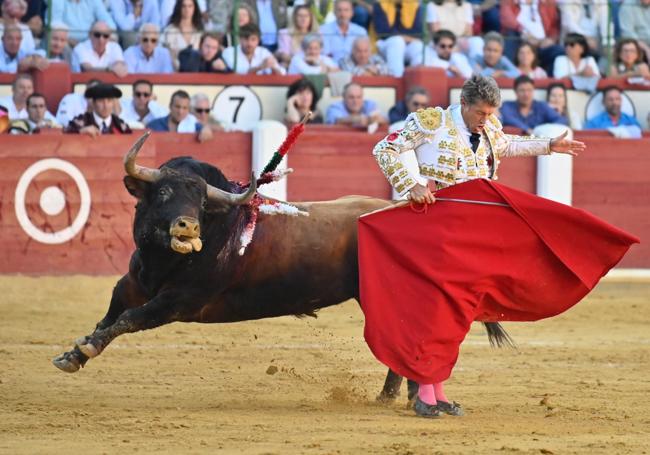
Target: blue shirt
540	113
9	64
159	62
504	64
338	110
603	121
161	124
123	13
337	45
268	27
80	16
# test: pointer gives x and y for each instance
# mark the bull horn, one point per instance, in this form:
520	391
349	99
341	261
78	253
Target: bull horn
136	171
217	195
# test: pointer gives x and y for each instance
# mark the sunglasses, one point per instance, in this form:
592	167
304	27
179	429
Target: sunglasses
101	35
201	110
141	94
150	40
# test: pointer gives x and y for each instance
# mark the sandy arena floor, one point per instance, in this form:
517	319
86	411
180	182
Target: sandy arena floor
579	383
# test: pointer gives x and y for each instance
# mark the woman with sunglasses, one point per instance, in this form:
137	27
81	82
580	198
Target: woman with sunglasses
147	56
184	30
577	61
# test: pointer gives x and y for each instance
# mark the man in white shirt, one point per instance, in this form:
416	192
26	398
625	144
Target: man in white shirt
441	55
14	59
16	104
251	57
141	108
38	117
12	12
98	53
147	56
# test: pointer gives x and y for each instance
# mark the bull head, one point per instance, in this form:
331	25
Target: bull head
184	230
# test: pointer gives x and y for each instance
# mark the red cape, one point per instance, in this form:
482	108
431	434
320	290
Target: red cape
424	277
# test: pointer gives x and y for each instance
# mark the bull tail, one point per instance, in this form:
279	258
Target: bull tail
498	336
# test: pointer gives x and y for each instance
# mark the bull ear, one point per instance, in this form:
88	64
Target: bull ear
136	187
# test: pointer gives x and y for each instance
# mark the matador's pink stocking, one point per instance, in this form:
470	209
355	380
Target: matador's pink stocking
426	394
439	392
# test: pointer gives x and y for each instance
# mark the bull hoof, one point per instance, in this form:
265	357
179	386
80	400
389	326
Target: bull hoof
67	363
88	350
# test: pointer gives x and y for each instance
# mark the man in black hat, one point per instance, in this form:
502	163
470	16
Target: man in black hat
101	120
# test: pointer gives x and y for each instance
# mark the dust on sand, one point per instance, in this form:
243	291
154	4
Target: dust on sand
578	383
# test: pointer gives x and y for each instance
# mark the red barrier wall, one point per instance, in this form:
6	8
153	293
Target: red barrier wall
610	180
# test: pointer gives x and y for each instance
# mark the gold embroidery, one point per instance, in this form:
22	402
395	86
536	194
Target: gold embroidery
430	118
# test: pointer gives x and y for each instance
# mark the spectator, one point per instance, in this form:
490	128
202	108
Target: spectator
612	116
35	16
302	98
457	16
416	98
556	97
38	117
179	119
589	19
245	16
526	113
184	29
441	55
399	24
220	15
148	56
80	16
535	22
200	106
323	9
167	8
16	103
101	119
60	50
629	60
353	110
493	62
290	39
363	12
98	53
13	59
141	108
577	61
207	59
486	16
73	104
362	62
251	57
526	62
272	15
12	12
311	61
130	15
635	17
338	36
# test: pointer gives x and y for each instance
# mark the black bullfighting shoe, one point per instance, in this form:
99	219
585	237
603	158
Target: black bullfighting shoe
426	410
453	408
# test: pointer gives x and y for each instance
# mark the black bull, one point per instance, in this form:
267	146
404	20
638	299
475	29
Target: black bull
186	267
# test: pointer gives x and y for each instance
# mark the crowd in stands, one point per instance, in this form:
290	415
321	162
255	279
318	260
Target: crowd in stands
526	40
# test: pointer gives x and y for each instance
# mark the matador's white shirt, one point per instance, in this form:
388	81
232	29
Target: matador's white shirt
441	143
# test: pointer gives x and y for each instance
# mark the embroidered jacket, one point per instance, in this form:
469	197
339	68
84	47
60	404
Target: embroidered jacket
444	154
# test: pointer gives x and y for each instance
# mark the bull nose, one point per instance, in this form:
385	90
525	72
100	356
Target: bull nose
186	226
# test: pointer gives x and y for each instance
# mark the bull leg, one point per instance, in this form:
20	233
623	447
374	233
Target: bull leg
171	306
125	294
391	388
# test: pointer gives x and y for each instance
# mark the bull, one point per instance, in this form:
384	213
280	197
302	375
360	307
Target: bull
186	268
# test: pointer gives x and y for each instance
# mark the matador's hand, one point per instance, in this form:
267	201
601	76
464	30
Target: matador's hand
563	145
421	194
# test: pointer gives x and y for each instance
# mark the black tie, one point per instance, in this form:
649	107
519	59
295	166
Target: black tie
105	129
474	139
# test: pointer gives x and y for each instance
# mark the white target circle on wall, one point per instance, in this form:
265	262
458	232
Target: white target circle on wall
52	201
